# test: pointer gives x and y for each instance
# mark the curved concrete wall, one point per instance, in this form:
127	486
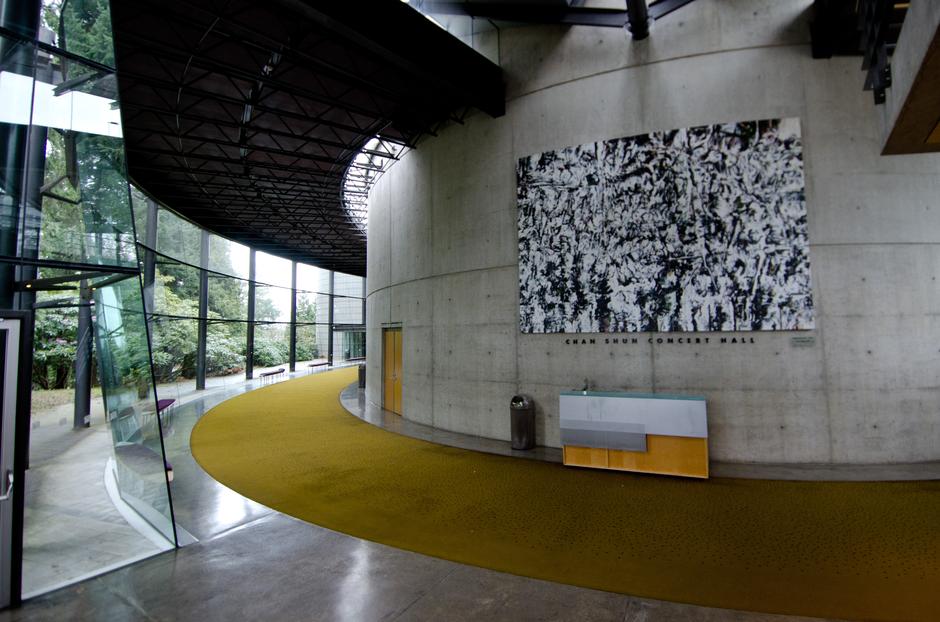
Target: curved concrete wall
443	257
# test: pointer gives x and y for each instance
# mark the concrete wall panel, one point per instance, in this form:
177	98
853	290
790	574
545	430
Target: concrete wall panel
443	250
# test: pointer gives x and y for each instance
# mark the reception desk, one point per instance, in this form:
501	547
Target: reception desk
645	432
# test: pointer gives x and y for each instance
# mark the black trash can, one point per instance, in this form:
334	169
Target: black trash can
522	414
362	375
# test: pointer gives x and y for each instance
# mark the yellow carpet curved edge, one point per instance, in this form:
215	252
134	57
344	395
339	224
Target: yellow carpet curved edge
854	550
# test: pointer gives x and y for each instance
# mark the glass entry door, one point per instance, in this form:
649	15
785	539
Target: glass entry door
14	400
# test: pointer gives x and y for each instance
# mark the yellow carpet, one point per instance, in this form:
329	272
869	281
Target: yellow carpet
848	550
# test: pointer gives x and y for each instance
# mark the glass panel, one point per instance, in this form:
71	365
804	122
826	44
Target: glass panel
225	353
347	310
312	279
272	270
82	27
228	298
174	356
347	285
309	350
15	93
127	384
139	202
348	345
178	238
176	289
272	346
75	151
228	257
347	302
272	304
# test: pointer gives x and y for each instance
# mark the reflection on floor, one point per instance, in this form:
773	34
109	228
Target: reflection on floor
72	528
279	568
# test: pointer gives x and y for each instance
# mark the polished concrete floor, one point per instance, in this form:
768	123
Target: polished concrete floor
72	528
252	562
279	568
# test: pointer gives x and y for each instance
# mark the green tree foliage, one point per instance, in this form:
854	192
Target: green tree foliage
271	347
82	27
54	348
173	340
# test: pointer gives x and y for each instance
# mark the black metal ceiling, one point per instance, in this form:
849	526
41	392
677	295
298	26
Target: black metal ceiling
244	116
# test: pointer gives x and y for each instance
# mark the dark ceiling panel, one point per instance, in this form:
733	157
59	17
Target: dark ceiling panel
244	116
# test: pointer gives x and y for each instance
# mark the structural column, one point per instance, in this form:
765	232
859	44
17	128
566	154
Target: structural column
293	315
329	322
203	311
364	331
23	19
250	340
150	257
82	414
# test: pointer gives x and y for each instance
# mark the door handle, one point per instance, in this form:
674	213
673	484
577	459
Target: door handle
9	492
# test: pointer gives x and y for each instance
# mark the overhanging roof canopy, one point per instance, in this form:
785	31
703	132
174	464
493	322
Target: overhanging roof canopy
244	116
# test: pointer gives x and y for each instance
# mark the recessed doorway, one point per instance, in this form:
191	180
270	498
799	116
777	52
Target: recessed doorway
391	369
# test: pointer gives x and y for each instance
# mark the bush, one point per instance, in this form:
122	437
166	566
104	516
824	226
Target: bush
269	351
224	354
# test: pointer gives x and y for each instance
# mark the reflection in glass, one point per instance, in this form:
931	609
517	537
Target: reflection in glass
348	345
178	238
127	385
347	310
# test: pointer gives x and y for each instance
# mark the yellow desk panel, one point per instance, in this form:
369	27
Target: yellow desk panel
667	455
664	455
585	456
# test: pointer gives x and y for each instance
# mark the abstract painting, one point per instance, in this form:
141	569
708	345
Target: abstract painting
696	229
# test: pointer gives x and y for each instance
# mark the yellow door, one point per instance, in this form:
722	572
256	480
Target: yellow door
391	369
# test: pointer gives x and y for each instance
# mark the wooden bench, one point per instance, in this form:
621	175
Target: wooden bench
270	374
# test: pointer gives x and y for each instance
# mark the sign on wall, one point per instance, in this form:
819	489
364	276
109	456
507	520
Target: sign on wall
697	229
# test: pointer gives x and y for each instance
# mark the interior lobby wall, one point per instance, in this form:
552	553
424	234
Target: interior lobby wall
443	256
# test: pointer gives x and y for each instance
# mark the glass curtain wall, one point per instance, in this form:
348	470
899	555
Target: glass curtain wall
96	490
295	310
135	308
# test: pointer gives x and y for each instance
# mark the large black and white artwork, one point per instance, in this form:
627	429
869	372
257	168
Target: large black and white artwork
697	229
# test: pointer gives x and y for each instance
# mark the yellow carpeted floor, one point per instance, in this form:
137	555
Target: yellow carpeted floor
849	550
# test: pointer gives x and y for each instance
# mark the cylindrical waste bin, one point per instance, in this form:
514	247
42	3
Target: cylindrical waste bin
362	375
522	414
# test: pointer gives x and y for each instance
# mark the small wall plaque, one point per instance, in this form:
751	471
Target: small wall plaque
803	341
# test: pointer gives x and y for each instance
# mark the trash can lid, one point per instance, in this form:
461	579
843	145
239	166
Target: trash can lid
520	401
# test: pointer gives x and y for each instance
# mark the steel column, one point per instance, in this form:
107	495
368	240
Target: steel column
82	414
639	19
203	311
293	315
250	341
150	258
329	322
